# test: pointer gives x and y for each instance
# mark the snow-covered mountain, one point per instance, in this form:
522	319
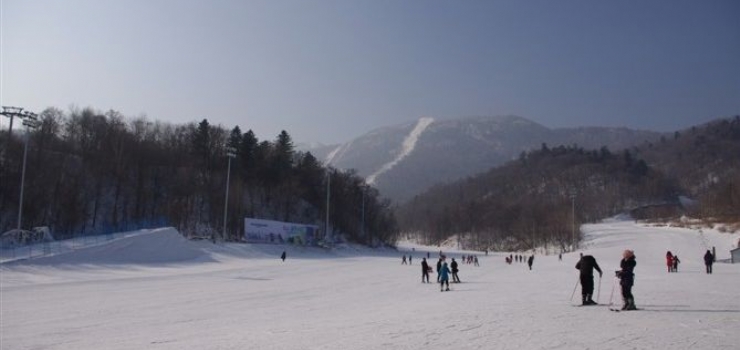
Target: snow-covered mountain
404	160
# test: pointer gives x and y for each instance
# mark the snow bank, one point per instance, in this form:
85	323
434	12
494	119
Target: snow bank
157	246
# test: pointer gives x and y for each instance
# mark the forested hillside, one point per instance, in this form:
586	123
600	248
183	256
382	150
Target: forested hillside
705	162
541	198
90	172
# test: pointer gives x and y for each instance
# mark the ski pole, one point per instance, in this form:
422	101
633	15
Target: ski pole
598	295
574	289
611	296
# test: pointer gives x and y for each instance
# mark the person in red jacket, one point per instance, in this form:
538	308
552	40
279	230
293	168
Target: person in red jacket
669	261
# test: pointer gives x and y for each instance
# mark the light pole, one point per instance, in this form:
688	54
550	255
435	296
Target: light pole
362	228
573	216
328	195
31	123
230	153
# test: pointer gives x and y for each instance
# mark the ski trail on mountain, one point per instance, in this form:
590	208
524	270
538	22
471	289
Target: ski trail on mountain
409	143
337	153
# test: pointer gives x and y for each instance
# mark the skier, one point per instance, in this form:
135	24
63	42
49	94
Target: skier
475	260
530	261
708	261
560	257
410	259
627	279
675	263
282	256
453	265
439	267
586	265
403	261
424	270
669	260
444	278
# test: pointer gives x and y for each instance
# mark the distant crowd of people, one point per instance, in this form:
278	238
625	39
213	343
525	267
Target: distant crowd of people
520	258
586	265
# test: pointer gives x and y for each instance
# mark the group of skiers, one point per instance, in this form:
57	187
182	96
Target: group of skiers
443	272
587	264
672	261
520	258
403	259
514	258
470	259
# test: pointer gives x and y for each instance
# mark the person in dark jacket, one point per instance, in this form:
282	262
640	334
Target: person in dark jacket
282	256
586	265
530	261
676	261
627	279
424	270
453	265
439	267
708	261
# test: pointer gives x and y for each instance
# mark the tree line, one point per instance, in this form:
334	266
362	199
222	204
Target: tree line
705	162
90	172
539	200
542	198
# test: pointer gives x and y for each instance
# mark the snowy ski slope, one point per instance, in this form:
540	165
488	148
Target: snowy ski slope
243	297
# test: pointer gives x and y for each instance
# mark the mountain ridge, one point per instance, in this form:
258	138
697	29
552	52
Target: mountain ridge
450	149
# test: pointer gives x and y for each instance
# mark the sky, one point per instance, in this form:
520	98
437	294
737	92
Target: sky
329	71
127	294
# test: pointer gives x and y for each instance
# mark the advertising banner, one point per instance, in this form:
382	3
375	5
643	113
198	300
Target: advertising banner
278	232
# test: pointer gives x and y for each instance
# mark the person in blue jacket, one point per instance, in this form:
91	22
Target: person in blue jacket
444	278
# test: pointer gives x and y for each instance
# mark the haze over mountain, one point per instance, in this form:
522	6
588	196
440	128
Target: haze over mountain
404	160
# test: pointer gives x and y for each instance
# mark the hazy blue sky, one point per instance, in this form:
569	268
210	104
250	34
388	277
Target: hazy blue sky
329	71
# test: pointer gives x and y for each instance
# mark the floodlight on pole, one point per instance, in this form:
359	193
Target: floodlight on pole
31	123
12	112
230	153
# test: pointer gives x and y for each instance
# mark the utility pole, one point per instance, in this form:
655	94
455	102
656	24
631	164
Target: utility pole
362	228
31	123
573	216
230	153
328	195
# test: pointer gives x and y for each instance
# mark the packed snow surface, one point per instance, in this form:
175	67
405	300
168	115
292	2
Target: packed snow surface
237	296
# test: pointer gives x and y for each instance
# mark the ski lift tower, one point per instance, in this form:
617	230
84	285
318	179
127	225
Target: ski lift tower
12	113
